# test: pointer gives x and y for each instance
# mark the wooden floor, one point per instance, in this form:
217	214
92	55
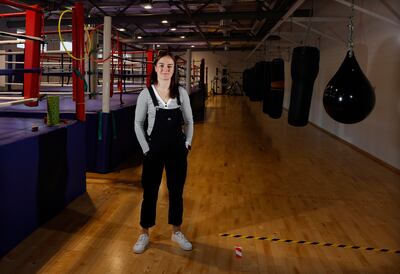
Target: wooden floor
249	175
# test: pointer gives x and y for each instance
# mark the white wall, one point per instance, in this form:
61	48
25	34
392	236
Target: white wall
377	49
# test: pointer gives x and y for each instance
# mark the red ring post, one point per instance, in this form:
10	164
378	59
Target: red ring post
149	67
33	27
78	35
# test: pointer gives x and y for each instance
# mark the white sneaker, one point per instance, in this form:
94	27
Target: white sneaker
181	240
141	243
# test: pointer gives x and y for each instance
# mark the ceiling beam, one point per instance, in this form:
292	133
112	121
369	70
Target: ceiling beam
287	14
172	18
189	15
371	13
194	38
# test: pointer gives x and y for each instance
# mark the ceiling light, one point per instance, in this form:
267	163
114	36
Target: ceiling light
192	46
139	37
121	29
147	6
164	21
158	46
183	36
173	29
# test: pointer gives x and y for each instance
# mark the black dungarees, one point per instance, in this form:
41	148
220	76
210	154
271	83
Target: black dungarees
167	149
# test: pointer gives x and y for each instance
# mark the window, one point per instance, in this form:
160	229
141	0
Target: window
22	45
67	44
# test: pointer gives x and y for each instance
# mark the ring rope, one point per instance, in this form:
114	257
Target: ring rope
62	40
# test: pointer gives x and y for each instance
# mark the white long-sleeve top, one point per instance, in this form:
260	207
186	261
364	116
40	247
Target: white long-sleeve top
144	105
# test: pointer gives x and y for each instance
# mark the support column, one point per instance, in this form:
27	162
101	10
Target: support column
188	69
149	66
78	35
33	27
106	64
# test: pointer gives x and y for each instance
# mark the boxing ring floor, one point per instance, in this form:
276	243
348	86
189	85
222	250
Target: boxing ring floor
41	172
110	137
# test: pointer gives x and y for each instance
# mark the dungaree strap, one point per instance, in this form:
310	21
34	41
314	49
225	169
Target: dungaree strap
178	98
153	96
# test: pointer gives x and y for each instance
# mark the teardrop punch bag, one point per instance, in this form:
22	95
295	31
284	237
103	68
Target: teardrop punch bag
304	70
274	99
349	97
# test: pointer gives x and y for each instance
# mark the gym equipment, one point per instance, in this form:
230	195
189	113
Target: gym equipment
274	99
349	97
304	70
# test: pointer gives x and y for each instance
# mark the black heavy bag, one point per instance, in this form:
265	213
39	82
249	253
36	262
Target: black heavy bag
259	81
267	87
274	98
252	84
305	65
245	83
349	97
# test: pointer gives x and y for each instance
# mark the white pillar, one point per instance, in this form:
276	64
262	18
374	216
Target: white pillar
106	64
188	69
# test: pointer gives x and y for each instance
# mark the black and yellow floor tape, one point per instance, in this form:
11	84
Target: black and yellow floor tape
355	247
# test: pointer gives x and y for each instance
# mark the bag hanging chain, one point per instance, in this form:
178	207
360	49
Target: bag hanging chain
350	43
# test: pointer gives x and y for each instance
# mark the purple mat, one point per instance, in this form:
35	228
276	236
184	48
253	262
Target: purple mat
44	88
15	129
68	106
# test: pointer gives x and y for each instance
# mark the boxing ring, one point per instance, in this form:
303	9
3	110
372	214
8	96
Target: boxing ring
41	172
43	168
109	138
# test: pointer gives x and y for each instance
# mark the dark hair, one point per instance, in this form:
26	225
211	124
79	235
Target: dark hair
174	85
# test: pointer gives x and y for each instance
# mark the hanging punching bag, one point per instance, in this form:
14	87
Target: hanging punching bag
267	87
349	96
304	70
274	99
259	81
245	81
252	84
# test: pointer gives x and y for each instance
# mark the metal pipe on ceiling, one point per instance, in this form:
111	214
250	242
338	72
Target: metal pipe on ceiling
294	7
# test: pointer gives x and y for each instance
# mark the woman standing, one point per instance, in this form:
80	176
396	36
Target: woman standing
164	144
